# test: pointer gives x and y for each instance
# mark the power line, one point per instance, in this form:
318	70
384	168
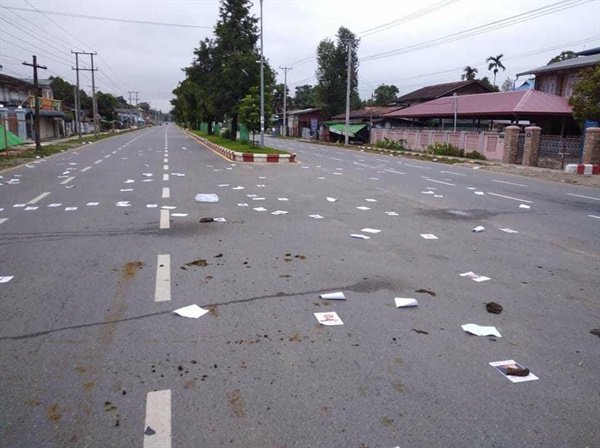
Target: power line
535	13
108	19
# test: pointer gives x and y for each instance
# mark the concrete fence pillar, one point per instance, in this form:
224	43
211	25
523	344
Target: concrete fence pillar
532	145
591	148
511	144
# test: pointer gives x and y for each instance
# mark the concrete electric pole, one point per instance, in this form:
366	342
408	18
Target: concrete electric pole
94	104
349	76
285	70
36	92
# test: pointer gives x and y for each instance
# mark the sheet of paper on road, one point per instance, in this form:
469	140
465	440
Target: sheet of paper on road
502	365
206	197
475	277
333	296
479	330
405	303
192	311
330	318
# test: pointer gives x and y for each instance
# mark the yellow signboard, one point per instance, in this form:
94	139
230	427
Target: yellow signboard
46	103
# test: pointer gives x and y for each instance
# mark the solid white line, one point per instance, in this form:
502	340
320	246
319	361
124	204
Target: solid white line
166	167
163	278
66	181
158	419
585	197
165	177
166	193
3	220
165	219
591	216
450	172
85	169
440	182
510	197
39	198
509	183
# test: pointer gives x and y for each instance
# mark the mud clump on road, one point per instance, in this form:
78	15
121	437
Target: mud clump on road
493	307
426	291
199	262
131	267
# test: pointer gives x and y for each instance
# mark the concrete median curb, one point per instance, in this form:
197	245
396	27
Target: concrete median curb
582	168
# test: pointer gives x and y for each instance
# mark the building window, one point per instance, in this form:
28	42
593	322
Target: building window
571	80
548	85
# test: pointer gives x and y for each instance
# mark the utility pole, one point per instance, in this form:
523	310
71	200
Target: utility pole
36	92
131	102
285	70
346	139
262	81
77	99
94	105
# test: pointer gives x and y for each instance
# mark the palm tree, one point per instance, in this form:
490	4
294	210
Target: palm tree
470	74
495	64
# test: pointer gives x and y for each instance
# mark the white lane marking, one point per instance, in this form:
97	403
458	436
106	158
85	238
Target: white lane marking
158	419
455	174
166	167
339	160
590	216
85	169
67	180
510	197
165	177
6	219
165	219
98	161
509	183
393	171
440	182
162	292
417	166
166	193
107	156
165	160
39	198
585	197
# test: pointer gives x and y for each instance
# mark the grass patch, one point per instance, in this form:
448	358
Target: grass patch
21	155
238	146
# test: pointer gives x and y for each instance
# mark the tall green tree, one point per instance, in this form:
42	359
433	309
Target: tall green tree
385	94
107	104
495	64
470	73
250	110
507	85
486	81
277	99
563	56
332	60
586	96
305	97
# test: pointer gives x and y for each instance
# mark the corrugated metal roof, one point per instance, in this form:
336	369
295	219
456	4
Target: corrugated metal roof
367	112
436	91
523	102
581	61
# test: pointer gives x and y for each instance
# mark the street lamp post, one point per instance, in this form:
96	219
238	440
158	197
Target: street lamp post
262	81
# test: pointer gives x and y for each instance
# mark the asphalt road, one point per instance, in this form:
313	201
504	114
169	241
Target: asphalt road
91	354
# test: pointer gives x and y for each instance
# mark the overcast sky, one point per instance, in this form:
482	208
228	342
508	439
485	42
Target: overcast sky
148	58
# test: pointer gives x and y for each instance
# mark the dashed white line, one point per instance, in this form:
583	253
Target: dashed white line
585	197
162	292
166	167
590	216
158	419
165	176
339	160
67	180
85	169
39	198
165	160
508	183
165	219
417	166
98	161
394	171
510	197
166	192
453	173
107	156
440	182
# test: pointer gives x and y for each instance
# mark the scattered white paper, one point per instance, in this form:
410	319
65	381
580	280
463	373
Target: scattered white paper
178	174
330	318
147	174
363	208
168	207
475	277
279	212
429	236
438	196
478	330
471	188
259	199
148	180
260	186
179	215
339	174
501	366
476	167
507	230
392	214
192	311
371	200
369	230
431	188
331	199
242	204
70	186
260	209
129	181
19	205
316	216
239	187
333	296
321	178
252	195
360	237
70	209
6	278
220	220
123	204
206	197
126	189
479	229
428	192
223	185
524	206
28	209
480	193
54	205
283	199
405	303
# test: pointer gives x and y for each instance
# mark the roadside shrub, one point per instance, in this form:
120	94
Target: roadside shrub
475	155
445	149
226	134
390	144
